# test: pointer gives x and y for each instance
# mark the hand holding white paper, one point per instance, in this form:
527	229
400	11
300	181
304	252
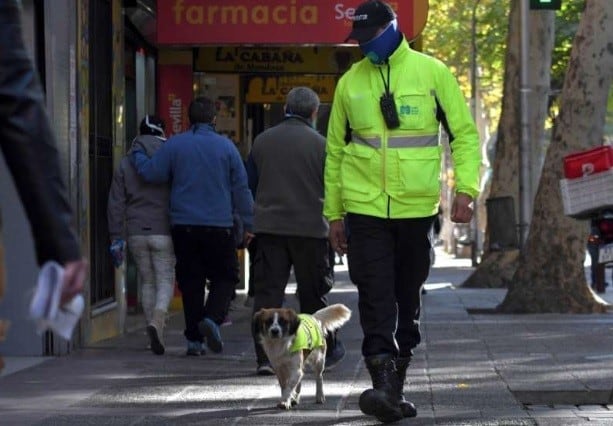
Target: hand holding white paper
45	307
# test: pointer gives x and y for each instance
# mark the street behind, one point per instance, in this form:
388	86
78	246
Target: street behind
474	367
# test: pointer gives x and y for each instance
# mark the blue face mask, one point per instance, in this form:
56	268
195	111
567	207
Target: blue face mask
381	47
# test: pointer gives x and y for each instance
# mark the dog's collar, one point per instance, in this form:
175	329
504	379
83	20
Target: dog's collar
308	336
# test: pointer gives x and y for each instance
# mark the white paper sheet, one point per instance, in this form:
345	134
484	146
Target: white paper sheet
45	307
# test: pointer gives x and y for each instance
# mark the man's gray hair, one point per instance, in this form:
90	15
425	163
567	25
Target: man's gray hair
301	101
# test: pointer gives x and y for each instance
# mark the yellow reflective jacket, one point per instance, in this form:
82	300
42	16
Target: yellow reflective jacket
309	335
396	173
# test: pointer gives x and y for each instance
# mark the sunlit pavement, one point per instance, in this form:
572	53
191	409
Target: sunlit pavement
473	368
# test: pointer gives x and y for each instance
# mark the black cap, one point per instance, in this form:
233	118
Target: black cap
368	18
152	125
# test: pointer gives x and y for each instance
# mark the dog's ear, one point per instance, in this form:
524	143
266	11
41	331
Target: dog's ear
294	323
256	322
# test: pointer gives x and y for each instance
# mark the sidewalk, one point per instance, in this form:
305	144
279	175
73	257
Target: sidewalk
471	369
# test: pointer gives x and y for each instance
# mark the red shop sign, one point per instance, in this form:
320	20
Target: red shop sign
205	22
175	92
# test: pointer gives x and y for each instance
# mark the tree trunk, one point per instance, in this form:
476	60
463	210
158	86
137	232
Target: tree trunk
542	37
550	276
496	268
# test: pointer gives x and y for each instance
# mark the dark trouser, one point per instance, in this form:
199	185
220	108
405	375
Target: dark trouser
598	271
389	261
203	253
272	264
331	261
3	323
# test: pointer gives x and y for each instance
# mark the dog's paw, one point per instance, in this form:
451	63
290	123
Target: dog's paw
320	399
295	399
284	405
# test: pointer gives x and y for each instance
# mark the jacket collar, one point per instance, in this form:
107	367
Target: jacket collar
400	53
202	128
289	118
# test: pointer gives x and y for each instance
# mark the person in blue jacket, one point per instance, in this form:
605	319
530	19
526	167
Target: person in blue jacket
208	182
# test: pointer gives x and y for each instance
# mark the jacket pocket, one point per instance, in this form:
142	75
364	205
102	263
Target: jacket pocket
419	171
360	112
412	110
359	173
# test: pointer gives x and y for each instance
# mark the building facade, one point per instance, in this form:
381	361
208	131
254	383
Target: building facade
104	64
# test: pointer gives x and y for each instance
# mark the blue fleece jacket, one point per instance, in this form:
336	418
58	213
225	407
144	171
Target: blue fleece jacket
207	178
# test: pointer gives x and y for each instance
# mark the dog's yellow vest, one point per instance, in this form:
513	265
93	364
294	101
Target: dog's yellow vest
308	336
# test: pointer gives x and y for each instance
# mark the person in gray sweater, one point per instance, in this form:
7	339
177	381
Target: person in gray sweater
139	210
286	168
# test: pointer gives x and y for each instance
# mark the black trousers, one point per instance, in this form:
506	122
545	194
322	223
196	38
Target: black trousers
275	255
389	261
204	253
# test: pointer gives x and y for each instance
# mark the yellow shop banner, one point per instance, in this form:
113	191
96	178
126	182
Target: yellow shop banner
268	90
303	60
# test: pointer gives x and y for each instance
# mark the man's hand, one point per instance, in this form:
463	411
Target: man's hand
134	154
247	238
75	273
117	251
461	210
337	237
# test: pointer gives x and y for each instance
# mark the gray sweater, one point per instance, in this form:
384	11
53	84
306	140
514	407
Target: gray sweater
143	206
290	158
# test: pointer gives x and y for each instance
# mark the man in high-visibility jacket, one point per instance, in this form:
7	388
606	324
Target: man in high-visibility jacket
382	184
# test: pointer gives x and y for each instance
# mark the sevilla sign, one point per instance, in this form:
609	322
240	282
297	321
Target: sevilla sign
214	22
175	94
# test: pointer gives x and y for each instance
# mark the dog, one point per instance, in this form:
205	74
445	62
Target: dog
292	341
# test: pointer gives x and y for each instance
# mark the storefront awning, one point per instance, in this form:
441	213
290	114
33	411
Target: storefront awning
214	22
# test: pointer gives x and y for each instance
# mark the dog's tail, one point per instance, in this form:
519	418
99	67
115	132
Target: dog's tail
333	317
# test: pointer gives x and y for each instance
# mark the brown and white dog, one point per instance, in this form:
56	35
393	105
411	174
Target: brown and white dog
292	341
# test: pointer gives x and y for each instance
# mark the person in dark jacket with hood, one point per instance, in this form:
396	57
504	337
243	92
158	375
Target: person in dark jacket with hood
139	210
208	183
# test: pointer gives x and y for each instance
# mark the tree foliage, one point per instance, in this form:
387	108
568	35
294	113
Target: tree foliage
567	22
448	36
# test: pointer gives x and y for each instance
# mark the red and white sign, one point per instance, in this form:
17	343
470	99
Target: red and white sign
588	162
206	22
174	94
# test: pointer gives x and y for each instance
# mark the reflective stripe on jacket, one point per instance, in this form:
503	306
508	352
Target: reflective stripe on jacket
396	173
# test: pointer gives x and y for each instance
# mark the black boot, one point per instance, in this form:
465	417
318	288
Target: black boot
407	407
382	401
